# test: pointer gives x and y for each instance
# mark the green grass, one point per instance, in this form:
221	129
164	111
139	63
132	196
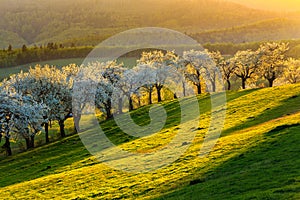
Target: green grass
256	157
267	170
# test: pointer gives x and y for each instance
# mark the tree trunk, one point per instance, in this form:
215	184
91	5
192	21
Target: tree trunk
32	141
228	85
7	147
120	106
108	110
244	83
139	101
213	84
159	94
199	84
198	88
62	128
183	89
76	119
150	96
108	113
47	132
130	103
271	81
27	140
175	96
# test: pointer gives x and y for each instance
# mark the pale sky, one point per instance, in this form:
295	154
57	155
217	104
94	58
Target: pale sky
277	5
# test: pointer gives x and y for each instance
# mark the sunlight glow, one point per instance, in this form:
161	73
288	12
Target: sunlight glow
277	5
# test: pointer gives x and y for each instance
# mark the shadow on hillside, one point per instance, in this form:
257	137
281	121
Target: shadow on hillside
142	118
41	161
54	157
267	170
232	95
287	107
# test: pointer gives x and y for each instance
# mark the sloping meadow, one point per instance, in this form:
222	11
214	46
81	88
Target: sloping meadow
255	157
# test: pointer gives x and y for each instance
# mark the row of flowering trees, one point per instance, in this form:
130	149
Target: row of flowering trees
41	95
29	101
266	63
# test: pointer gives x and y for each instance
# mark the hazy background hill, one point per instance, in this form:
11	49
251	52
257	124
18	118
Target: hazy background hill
272	29
90	21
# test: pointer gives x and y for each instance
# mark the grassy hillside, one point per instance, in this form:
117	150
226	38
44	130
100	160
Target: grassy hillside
256	157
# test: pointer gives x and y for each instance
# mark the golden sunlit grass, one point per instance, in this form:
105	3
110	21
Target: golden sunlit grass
255	157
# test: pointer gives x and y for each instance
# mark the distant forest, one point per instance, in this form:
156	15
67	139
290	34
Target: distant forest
10	57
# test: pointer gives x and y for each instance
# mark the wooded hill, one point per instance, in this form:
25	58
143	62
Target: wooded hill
88	22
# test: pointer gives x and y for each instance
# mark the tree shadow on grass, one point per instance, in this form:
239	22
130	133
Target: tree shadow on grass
141	117
53	158
287	107
232	95
267	170
41	161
